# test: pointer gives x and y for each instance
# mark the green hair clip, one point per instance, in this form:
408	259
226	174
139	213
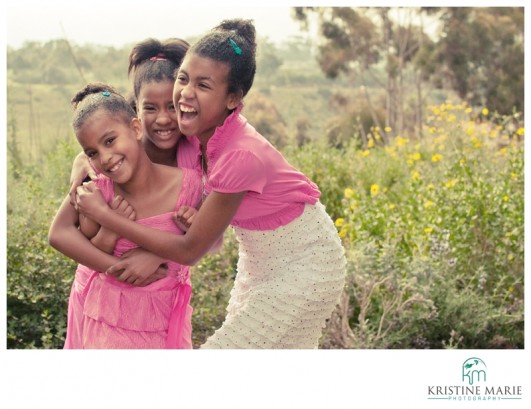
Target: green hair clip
106	93
235	47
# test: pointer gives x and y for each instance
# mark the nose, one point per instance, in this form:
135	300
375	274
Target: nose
186	91
106	156
164	117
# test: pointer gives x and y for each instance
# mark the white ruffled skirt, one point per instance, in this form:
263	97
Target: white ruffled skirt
288	283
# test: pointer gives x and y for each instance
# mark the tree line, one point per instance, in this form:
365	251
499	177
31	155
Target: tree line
476	52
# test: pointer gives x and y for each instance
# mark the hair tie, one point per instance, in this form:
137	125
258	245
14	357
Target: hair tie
159	57
106	93
235	47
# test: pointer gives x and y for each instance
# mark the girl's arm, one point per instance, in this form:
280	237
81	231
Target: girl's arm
65	237
81	170
209	224
101	237
184	217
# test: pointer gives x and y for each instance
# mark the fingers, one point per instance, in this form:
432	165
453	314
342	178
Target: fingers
184	216
122	207
92	174
157	275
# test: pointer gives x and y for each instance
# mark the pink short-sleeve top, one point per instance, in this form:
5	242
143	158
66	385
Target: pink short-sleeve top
240	159
188	154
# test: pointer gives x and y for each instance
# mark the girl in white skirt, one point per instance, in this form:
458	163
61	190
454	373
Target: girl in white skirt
291	267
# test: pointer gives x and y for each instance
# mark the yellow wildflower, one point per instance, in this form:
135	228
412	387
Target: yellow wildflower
375	189
428	204
343	233
505	198
451	183
349	193
502	152
400	141
428	230
520	131
391	206
485	111
468	110
365	153
370	144
387	129
416	156
436	157
415	175
340	222
451	118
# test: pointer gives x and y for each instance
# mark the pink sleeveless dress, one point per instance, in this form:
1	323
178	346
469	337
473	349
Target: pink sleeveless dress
106	313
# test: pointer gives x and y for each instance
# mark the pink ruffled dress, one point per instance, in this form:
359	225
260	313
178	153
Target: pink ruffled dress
106	313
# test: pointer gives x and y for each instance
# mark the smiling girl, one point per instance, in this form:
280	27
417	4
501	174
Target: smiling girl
115	314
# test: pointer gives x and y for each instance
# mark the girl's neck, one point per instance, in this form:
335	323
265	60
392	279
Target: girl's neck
156	155
142	180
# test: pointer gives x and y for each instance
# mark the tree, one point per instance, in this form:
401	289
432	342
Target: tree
361	42
481	54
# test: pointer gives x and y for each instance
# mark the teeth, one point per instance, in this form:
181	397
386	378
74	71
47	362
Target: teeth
187	109
115	167
164	133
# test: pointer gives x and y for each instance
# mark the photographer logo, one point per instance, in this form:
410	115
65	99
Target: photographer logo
474	386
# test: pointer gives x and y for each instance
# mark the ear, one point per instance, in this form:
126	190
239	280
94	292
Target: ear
234	100
136	126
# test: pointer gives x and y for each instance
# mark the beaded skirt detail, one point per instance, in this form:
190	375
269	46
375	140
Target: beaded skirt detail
288	283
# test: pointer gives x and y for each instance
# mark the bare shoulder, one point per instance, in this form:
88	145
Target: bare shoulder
170	177
168	171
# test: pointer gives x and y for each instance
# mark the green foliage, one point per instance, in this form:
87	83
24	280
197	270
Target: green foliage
38	278
212	279
483	51
434	233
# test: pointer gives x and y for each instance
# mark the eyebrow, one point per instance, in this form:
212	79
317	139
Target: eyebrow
203	78
106	134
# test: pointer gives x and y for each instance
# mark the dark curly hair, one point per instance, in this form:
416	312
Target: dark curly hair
155	60
232	42
97	96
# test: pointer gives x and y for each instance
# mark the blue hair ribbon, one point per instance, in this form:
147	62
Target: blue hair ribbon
235	47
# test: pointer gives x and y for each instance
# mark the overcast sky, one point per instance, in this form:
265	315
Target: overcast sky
119	22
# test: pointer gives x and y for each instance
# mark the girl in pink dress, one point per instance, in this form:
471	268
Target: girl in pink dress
291	267
116	314
152	68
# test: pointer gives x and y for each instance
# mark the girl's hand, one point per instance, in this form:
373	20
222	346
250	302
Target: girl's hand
81	169
184	217
122	207
105	239
139	267
90	201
